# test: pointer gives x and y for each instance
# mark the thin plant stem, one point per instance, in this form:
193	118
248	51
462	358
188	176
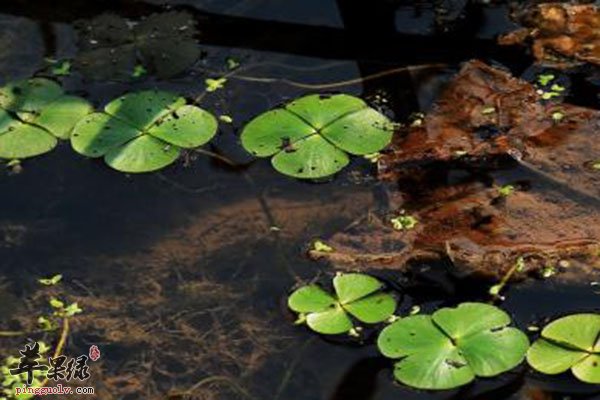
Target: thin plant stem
334	85
60	346
290	370
12	333
219	379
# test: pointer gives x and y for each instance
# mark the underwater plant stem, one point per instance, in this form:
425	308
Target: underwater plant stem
11	333
61	344
497	289
186	189
289	372
272	223
219	157
219	379
334	85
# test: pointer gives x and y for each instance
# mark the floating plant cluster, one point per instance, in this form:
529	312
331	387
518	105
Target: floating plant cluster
309	138
452	346
313	137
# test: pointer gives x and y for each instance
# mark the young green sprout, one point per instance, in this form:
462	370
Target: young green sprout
557	116
404	222
212	85
506	190
545	79
139	71
321	246
62	68
488	110
495	290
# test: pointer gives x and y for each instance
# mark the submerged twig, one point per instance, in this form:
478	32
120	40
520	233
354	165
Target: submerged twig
217	156
186	189
290	370
219	379
272	223
333	85
12	333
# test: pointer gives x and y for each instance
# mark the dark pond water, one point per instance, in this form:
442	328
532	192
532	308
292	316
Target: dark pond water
183	274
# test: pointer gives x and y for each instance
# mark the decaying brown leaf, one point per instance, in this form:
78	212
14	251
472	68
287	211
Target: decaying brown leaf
561	34
552	215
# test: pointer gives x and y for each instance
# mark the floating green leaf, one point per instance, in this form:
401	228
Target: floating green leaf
34	114
453	346
356	295
404	222
51	281
62	68
143	131
545	79
572	342
311	137
506	190
212	85
139	71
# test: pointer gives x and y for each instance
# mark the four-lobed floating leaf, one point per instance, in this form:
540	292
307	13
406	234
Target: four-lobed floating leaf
453	346
571	342
356	295
34	114
311	137
143	131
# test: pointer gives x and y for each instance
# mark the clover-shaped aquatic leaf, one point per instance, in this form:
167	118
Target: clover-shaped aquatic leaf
311	136
572	342
34	114
356	295
143	131
453	346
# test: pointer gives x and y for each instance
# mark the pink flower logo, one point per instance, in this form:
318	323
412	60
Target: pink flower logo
94	352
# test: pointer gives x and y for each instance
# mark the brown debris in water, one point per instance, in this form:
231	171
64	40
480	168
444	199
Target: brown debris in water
475	116
190	331
561	34
482	231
